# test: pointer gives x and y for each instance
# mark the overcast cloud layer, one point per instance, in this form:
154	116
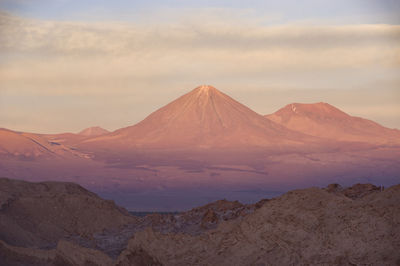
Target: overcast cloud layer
66	75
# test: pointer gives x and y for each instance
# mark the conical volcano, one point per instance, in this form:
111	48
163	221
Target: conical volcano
204	118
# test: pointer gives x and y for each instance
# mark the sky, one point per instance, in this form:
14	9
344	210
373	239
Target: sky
66	65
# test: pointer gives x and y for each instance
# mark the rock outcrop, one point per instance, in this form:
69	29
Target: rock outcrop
302	227
40	214
63	224
199	219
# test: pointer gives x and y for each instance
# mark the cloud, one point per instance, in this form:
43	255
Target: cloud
120	39
36	49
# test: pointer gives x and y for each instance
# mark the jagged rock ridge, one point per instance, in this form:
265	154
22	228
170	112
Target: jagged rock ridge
303	227
332	226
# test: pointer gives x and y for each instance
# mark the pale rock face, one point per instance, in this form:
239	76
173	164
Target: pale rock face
326	121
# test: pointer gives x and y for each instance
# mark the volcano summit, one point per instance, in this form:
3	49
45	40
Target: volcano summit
204	118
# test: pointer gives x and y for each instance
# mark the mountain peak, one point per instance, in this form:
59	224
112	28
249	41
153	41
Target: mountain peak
93	131
205	117
205	90
326	121
311	109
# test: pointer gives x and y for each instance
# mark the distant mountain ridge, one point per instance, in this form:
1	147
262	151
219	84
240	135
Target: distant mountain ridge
93	131
31	146
326	121
206	118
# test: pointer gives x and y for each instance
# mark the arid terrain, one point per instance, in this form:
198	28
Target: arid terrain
53	223
204	133
205	146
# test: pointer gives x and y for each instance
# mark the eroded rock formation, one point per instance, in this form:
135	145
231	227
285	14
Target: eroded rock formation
359	225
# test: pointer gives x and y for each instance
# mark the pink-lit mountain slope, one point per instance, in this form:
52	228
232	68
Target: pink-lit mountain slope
33	146
326	121
72	139
203	118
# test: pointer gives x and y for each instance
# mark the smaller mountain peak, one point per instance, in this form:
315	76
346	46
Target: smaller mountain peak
93	131
319	109
296	107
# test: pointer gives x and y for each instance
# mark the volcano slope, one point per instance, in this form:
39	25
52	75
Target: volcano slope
326	121
359	225
203	118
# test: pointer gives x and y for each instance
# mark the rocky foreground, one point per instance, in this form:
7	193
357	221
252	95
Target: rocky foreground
53	223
